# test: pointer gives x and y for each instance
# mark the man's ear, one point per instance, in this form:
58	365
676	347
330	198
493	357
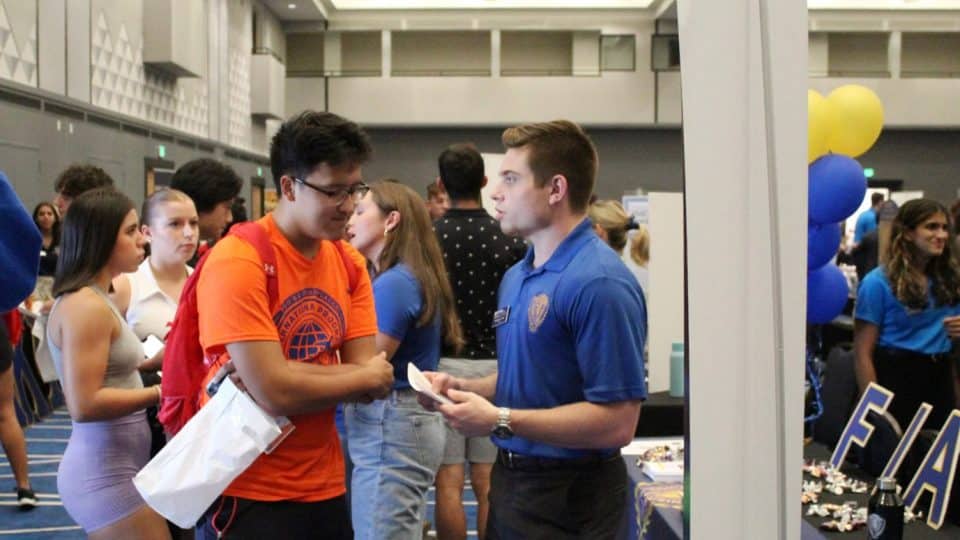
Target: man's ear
559	187
286	188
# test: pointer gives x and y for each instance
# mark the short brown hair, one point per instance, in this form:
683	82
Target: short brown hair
78	178
558	147
433	191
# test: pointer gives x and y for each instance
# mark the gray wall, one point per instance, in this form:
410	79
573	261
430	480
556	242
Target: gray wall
33	152
629	158
926	160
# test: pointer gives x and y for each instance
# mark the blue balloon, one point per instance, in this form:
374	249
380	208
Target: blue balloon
827	293
836	188
823	241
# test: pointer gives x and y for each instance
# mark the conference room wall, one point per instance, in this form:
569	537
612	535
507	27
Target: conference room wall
925	160
33	151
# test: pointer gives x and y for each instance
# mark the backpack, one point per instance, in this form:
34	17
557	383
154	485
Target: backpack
184	365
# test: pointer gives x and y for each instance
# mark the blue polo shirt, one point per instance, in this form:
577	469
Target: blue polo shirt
574	332
865	223
399	300
918	331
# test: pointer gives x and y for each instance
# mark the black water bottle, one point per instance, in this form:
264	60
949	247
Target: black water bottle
885	512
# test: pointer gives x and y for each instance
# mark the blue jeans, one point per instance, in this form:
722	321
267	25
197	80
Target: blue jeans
396	448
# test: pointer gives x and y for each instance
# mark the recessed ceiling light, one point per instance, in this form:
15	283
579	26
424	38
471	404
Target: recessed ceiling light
291	6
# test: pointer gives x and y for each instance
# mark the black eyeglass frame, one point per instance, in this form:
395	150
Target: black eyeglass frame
338	195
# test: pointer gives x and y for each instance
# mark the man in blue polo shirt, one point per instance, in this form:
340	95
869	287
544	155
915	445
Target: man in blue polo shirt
571	326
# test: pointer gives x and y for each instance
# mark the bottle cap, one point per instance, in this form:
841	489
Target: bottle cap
887	484
676	346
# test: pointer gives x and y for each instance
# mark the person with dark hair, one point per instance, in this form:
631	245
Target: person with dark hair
906	314
437	201
76	180
47	218
477	255
313	349
395	445
868	219
213	186
238	212
96	356
19	250
571	327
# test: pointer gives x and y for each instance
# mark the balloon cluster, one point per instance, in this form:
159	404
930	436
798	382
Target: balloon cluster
840	127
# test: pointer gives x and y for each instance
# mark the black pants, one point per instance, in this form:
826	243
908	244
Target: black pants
916	378
582	502
241	519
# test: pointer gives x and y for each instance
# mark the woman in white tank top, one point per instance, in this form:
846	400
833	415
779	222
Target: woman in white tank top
148	297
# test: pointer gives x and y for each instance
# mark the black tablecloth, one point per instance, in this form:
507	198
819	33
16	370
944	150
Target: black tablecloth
918	530
661	416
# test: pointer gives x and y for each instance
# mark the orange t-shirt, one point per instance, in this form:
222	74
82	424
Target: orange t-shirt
314	315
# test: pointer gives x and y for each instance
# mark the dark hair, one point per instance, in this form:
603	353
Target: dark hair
461	170
312	138
89	235
55	230
558	147
876	198
413	243
208	182
79	178
907	281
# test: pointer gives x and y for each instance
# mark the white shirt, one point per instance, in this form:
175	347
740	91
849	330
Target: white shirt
150	310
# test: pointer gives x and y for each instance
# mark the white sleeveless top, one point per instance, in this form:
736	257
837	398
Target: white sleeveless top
150	310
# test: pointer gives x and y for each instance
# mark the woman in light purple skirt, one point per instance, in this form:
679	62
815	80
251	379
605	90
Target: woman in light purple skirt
96	355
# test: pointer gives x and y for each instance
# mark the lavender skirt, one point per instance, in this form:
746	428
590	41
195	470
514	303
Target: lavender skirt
95	479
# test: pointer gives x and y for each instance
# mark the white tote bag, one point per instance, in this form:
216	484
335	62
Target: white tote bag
212	449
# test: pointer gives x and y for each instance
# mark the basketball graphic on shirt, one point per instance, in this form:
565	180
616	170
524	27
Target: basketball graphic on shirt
537	312
311	325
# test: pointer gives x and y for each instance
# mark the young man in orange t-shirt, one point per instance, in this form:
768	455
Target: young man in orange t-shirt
287	354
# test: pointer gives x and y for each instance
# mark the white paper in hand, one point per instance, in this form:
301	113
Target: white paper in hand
420	383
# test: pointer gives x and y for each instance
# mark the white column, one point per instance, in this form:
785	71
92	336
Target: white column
495	54
743	69
894	54
386	51
332	55
78	50
52	45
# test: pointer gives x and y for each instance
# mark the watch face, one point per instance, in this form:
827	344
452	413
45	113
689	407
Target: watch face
502	432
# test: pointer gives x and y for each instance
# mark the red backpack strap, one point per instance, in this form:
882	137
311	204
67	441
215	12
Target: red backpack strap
257	236
350	265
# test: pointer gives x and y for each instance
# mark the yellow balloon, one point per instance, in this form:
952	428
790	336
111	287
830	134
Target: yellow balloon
818	125
856	119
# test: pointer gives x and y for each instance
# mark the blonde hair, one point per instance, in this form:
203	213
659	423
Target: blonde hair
640	247
611	217
161	196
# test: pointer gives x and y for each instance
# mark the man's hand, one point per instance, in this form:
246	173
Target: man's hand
440	382
952	324
380	374
471	414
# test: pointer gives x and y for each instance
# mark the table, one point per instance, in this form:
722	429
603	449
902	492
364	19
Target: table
918	530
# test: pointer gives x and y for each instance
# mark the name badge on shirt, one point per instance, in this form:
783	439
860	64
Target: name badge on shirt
500	316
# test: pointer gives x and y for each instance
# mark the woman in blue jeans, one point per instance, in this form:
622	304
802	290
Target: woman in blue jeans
396	446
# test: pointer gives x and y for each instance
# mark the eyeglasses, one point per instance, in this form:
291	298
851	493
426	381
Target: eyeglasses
338	195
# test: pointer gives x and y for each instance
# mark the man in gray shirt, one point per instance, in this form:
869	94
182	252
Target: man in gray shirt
476	254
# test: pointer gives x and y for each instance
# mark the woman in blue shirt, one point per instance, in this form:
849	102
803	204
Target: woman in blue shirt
907	313
396	446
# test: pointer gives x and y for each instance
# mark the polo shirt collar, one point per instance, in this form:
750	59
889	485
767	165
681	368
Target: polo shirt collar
566	251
